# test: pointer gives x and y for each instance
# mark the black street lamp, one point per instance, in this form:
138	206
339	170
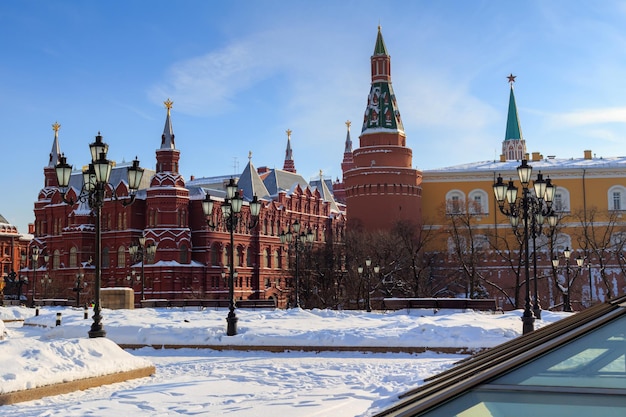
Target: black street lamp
131	278
34	256
567	304
301	238
231	214
45	281
78	287
368	276
142	253
526	209
94	190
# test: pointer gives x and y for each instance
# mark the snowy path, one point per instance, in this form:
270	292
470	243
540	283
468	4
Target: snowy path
203	382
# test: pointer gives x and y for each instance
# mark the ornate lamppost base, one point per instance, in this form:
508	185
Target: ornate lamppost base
528	324
97	330
93	333
231	324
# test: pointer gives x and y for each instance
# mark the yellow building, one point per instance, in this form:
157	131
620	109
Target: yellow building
459	205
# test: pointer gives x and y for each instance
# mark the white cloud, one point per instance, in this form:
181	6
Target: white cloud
589	117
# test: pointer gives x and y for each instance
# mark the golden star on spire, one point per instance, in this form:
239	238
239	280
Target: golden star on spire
511	78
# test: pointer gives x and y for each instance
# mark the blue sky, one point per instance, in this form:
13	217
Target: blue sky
240	73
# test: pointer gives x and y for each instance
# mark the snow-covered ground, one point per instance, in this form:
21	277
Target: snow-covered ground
236	382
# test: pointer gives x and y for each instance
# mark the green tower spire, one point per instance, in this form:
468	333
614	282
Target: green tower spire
513	130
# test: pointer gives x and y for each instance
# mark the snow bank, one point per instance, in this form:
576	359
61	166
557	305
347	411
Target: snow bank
29	363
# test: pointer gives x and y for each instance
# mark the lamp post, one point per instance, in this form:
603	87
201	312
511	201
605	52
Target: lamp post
94	190
78	287
368	273
567	304
34	256
45	281
527	209
131	278
300	240
231	215
142	253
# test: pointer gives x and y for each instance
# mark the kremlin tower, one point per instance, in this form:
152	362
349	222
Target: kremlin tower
381	186
514	145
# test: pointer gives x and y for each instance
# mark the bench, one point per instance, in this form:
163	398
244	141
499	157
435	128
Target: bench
486	304
54	302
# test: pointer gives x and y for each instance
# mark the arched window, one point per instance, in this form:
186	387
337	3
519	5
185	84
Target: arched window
478	202
56	259
617	198
455	202
73	257
277	263
561	200
226	255
121	257
215	254
249	257
238	256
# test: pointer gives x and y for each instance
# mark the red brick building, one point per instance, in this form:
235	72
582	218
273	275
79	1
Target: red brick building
190	256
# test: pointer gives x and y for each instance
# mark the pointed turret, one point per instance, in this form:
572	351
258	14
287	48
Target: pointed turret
348	161
289	165
56	149
167	139
382	112
514	145
167	200
167	155
50	176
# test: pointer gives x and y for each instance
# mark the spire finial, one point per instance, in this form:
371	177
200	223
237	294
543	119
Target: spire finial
348	124
249	156
288	131
321	176
168	105
56	126
511	78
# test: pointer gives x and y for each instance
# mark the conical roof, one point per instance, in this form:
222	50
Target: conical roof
382	112
56	148
167	139
513	129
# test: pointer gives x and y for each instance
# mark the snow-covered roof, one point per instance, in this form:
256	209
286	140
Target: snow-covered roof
545	164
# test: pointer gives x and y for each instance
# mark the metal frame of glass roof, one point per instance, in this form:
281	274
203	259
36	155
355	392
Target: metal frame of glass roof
514	376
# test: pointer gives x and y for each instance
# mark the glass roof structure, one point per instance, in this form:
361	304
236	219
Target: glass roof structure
576	366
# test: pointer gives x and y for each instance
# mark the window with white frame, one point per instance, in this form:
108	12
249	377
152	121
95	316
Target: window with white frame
478	202
561	200
455	201
617	198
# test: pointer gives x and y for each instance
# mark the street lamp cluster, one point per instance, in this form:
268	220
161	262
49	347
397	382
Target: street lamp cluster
567	253
287	237
140	252
94	190
368	278
231	215
531	210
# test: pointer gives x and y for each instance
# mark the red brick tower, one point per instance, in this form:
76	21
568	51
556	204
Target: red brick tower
382	188
167	202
